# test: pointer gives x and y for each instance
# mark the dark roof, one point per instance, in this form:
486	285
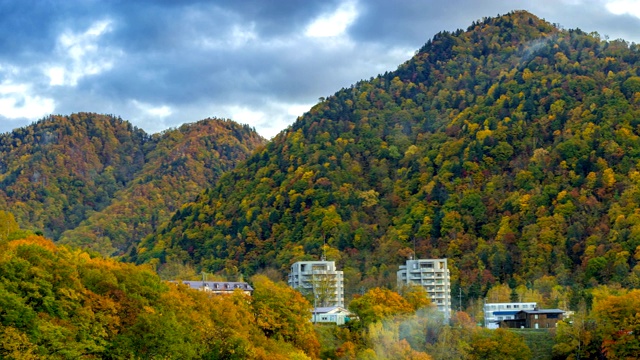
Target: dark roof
543	311
219	285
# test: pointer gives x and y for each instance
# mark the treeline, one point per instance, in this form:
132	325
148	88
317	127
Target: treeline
510	148
59	303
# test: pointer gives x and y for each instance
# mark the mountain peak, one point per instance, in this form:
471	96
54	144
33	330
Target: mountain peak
487	36
504	147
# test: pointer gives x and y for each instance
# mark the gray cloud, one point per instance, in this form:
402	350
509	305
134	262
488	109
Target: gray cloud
414	22
162	63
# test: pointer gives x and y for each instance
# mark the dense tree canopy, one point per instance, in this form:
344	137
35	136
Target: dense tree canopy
57	303
510	148
57	169
98	182
179	164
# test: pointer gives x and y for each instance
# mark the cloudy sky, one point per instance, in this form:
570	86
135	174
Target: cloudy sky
161	63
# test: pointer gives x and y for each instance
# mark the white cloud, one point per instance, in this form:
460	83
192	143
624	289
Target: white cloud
56	75
297	110
17	101
80	55
161	111
245	115
619	7
269	120
334	24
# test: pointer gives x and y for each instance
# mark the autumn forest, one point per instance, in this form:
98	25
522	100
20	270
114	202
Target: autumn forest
511	148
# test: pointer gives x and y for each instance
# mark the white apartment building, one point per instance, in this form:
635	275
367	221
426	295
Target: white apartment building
433	276
319	279
496	312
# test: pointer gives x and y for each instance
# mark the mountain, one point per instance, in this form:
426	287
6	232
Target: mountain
98	182
56	170
183	162
510	148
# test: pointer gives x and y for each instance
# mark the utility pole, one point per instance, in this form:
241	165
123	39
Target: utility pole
460	303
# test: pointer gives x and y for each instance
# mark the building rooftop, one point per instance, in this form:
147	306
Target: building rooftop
512	303
543	311
324	310
219	285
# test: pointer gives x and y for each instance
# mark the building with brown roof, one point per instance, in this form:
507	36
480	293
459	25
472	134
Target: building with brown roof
534	319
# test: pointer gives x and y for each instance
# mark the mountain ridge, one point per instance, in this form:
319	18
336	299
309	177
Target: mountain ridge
477	149
84	162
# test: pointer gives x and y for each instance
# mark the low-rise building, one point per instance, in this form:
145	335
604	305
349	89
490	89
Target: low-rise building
534	319
219	287
334	314
494	313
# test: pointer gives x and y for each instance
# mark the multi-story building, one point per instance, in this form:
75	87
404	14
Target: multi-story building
433	276
494	313
320	280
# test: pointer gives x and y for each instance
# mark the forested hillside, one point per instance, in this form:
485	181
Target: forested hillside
180	165
113	180
510	148
57	303
56	170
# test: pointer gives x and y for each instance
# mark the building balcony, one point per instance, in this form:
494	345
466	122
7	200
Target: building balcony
317	272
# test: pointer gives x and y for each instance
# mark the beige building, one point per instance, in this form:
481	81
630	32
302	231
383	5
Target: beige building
433	276
320	280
